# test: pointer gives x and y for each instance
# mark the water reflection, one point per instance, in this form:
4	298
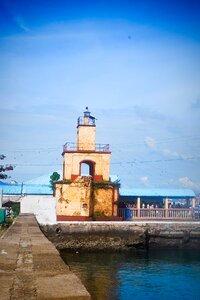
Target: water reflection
125	275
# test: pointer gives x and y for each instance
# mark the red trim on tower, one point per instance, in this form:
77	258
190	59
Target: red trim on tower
86	151
73	218
112	218
73	177
98	177
61	218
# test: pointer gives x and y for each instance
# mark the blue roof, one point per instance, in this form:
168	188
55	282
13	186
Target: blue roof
31	189
3	183
37	186
174	193
11	189
37	189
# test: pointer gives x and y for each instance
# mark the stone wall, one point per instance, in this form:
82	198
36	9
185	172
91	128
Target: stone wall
103	203
85	198
124	235
174	235
74	199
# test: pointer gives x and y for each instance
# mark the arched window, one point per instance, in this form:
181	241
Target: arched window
87	168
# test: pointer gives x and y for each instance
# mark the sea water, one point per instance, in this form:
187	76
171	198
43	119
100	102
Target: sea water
158	274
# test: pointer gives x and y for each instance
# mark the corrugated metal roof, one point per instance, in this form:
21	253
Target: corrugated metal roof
36	186
174	193
3	183
11	189
30	189
37	189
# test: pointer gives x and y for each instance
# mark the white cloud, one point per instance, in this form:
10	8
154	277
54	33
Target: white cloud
145	180
150	142
166	152
174	154
188	183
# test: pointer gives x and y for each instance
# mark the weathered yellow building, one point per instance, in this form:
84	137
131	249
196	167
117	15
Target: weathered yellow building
87	196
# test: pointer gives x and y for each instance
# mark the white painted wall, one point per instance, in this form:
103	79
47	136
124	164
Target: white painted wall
42	206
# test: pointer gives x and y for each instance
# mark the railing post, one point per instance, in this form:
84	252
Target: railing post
193	207
166	207
193	202
138	207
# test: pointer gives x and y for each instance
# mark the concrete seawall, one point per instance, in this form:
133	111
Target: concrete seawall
31	267
124	235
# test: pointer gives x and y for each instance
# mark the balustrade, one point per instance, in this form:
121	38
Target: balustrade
157	213
82	147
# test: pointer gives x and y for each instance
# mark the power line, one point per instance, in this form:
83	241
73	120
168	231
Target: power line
160	141
156	160
36	165
134	143
134	162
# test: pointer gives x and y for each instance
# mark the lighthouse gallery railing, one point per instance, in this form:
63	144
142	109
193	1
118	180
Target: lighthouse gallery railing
81	147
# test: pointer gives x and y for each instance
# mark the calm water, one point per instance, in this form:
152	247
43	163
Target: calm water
159	275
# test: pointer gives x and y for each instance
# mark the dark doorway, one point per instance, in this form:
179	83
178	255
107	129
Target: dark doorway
87	168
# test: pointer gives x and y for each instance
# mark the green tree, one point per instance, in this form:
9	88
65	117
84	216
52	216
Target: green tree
54	177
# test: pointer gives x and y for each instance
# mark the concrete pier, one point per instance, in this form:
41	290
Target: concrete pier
31	267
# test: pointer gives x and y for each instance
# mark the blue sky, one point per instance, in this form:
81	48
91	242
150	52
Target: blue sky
136	64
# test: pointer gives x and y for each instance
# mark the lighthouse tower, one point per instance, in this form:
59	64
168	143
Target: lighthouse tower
86	190
86	152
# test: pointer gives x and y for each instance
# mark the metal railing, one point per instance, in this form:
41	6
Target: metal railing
86	147
158	213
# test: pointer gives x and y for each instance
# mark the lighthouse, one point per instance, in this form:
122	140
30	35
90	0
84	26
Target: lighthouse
87	152
86	190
